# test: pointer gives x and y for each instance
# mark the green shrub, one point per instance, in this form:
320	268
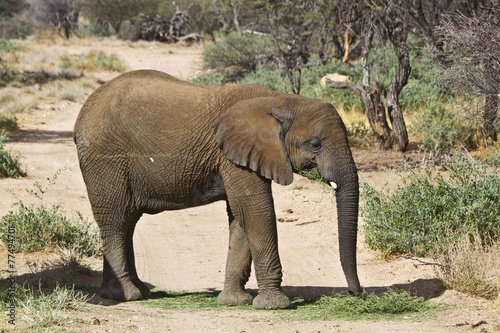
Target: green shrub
214	79
425	214
10	166
235	49
35	228
441	129
8	124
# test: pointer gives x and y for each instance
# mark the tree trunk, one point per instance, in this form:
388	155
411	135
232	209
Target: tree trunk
375	111
397	35
490	116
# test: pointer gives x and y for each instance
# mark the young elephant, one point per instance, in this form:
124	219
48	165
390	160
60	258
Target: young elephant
148	142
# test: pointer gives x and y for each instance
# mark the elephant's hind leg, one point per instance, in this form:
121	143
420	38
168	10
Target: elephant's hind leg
131	262
238	267
120	281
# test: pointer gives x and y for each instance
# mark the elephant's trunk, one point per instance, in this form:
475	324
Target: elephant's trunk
347	212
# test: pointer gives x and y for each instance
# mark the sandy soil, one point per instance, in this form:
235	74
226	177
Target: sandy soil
186	250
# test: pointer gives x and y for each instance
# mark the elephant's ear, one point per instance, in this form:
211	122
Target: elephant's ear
250	136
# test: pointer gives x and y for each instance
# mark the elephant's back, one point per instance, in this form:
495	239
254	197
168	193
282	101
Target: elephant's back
139	102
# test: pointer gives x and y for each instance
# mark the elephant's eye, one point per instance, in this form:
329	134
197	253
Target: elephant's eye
315	144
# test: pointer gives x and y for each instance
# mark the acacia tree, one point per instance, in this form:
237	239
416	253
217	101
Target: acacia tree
472	63
387	19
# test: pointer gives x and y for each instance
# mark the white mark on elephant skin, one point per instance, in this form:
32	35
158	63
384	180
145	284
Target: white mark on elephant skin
151	159
333	185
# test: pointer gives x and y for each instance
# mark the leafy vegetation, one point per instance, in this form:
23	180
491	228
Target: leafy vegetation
8	124
242	50
390	305
428	212
38	227
10	166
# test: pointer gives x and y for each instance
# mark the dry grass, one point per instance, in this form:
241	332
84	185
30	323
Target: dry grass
13	102
471	267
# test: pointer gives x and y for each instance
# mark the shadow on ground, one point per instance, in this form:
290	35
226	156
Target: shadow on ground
40	136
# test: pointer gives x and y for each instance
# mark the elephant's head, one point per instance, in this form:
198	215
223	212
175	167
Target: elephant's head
276	135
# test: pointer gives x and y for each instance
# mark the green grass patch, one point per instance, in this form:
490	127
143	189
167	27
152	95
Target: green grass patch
390	305
428	212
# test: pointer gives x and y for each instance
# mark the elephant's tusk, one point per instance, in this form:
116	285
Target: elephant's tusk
333	185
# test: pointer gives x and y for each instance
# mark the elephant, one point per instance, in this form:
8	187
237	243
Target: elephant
148	142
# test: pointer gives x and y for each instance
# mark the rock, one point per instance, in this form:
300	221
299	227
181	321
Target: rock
334	77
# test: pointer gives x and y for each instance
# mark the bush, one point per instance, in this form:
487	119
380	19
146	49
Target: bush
441	129
425	215
9	163
242	50
36	228
8	124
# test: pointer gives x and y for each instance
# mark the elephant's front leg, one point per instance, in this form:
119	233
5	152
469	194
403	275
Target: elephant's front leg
238	267
251	203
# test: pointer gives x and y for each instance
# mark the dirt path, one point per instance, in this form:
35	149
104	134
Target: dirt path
186	250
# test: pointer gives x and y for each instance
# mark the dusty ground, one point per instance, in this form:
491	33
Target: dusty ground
186	250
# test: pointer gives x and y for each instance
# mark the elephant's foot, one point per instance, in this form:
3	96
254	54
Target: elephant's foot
145	292
234	298
122	290
271	300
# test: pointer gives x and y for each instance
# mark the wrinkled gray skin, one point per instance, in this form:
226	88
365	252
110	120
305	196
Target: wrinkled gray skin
148	142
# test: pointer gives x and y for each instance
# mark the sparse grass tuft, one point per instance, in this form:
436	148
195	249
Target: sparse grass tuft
469	266
93	61
43	309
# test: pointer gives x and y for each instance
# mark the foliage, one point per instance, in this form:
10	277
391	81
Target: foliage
8	124
391	304
45	308
313	175
441	129
427	213
233	49
10	166
39	227
468	266
214	79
